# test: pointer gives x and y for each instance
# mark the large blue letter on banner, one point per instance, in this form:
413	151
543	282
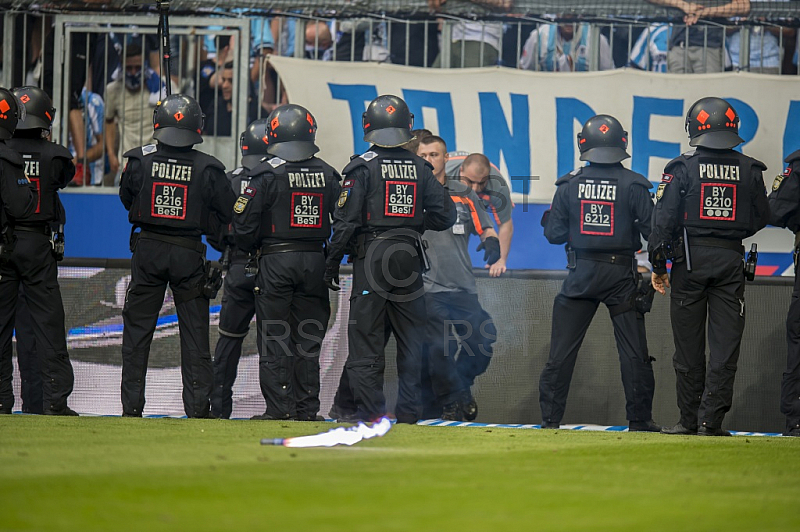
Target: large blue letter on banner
644	146
791	134
748	121
443	103
498	137
568	111
355	96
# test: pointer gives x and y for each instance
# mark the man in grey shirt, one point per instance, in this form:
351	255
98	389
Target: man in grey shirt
485	179
451	297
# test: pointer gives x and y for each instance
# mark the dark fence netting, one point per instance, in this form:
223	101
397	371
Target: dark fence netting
521	305
477	8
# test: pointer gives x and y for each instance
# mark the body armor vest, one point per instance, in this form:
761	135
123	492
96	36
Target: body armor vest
719	190
300	210
600	208
172	184
394	191
37	157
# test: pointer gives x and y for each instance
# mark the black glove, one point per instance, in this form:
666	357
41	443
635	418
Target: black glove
492	247
331	277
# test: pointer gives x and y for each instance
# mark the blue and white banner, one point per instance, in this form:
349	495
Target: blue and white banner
527	122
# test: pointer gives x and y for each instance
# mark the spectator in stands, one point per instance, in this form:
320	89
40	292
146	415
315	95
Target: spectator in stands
563	48
766	54
698	50
319	41
474	44
650	50
218	49
219	117
410	49
130	100
93	110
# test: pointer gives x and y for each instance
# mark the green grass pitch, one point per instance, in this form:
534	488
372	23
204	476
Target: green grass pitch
115	474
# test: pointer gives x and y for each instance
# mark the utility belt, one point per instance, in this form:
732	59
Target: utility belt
713	242
57	244
620	258
286	247
42	229
364	239
181	241
749	266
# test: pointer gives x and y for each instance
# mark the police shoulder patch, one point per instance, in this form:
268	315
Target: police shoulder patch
368	156
250	191
776	184
788	171
348	183
240	204
666	178
275	162
343	198
660	190
149	148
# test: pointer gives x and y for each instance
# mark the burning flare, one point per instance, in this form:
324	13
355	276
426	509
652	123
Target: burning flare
337	436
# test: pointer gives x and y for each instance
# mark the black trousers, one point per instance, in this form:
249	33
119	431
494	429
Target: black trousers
790	384
30	370
155	265
238	309
292	310
459	336
387	285
714	289
588	285
33	266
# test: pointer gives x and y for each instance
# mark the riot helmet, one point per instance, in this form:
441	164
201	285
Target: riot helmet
39	110
603	140
11	112
387	122
292	131
178	121
253	142
713	123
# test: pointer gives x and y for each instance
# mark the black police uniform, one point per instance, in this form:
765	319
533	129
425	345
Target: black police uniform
49	167
27	261
170	193
238	307
600	210
784	206
714	198
284	215
389	197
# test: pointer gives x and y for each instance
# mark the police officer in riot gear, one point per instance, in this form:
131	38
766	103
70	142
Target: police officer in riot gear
26	256
784	206
708	200
389	197
49	167
171	191
283	216
600	211
238	300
